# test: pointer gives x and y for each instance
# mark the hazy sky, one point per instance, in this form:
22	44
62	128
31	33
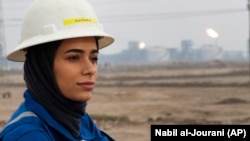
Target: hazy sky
156	22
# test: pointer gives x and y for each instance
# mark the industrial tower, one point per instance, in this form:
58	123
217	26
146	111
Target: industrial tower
3	62
2	38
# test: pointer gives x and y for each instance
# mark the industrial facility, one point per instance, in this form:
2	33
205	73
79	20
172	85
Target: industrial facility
135	53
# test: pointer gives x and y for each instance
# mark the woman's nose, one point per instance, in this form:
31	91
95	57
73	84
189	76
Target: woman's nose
88	67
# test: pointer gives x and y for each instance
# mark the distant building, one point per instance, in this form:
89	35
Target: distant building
157	54
186	50
173	54
133	54
2	60
210	52
233	55
207	52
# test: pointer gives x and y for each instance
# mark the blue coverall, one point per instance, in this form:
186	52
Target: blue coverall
42	127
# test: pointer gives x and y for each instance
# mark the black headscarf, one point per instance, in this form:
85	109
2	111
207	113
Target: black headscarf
40	80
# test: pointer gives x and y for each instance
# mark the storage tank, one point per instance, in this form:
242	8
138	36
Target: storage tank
210	52
157	54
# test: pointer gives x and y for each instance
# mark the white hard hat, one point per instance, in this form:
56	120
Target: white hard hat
51	20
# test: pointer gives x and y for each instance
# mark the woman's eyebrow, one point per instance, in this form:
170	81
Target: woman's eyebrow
94	51
81	51
75	50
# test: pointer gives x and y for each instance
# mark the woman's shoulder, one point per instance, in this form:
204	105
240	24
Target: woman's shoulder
90	130
24	129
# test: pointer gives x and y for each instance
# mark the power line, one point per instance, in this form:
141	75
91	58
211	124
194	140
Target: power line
117	2
167	15
153	16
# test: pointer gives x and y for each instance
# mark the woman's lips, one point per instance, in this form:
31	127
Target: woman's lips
87	85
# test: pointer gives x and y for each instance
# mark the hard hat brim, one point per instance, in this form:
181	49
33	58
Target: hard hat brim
18	54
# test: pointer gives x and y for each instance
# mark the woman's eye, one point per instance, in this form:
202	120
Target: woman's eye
94	59
74	58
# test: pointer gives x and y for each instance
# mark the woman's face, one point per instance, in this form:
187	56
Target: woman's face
75	67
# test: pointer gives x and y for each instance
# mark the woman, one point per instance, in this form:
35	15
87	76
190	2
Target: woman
59	45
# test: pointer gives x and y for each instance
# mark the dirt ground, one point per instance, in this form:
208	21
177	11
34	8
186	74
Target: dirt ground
148	106
126	106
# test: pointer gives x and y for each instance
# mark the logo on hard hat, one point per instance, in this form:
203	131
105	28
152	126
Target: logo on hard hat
79	20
